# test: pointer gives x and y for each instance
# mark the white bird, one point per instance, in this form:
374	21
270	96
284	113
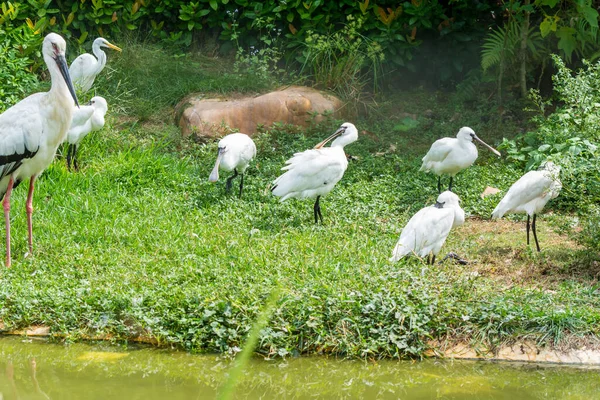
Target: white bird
314	173
235	153
32	130
451	155
529	195
427	230
86	67
86	119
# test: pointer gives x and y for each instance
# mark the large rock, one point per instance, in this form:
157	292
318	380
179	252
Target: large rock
293	105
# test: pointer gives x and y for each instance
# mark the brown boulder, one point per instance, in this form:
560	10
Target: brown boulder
293	105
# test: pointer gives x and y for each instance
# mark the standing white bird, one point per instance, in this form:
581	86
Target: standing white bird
313	173
85	67
235	153
427	230
451	155
86	119
32	130
529	195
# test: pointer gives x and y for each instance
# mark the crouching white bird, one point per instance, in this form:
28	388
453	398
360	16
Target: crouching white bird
32	130
86	119
234	154
449	156
529	195
86	67
313	173
426	232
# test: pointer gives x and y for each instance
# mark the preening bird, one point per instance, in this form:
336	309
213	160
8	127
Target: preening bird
234	154
449	156
86	119
529	195
32	130
313	173
86	67
427	230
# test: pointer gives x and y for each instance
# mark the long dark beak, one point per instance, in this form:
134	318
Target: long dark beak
439	205
333	136
214	175
64	70
493	150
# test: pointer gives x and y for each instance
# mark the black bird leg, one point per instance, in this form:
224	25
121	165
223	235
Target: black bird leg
450	187
439	185
527	229
241	185
534	233
69	148
455	257
228	183
75	162
317	211
432	259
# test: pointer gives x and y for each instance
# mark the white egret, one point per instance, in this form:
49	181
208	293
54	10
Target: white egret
235	153
529	195
314	173
451	155
86	67
32	130
86	119
427	230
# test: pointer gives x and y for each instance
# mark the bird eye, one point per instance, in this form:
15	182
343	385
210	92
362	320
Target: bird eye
55	47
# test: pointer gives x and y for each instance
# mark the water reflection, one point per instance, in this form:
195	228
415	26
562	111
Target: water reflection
36	370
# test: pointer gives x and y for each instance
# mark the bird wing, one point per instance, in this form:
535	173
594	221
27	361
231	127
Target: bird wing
21	131
80	124
427	227
81	115
530	186
310	169
81	70
438	151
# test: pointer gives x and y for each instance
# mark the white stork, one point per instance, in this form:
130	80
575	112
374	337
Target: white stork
32	130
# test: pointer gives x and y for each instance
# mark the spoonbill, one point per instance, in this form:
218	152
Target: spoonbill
235	153
86	67
314	173
529	194
32	130
451	155
427	230
86	119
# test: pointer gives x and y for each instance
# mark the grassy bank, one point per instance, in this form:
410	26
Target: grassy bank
140	243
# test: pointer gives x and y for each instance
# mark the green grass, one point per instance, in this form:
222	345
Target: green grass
139	243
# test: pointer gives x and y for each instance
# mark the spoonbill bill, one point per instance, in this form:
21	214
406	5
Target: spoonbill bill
235	153
529	194
427	230
449	156
313	173
32	130
86	67
88	118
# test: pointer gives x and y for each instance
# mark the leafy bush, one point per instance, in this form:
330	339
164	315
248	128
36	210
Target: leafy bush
569	136
15	75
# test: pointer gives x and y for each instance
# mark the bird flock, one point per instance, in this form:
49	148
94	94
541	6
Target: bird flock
32	130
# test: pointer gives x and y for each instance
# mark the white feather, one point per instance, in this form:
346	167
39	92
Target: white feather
235	152
86	67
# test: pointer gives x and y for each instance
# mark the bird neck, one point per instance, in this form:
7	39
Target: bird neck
101	56
341	141
59	86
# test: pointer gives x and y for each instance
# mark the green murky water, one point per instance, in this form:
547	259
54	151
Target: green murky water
39	370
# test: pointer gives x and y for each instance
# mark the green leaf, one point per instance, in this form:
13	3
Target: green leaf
590	15
548	25
549	3
567	41
214	5
290	17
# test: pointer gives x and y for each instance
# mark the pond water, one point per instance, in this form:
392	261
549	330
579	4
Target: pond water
33	369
